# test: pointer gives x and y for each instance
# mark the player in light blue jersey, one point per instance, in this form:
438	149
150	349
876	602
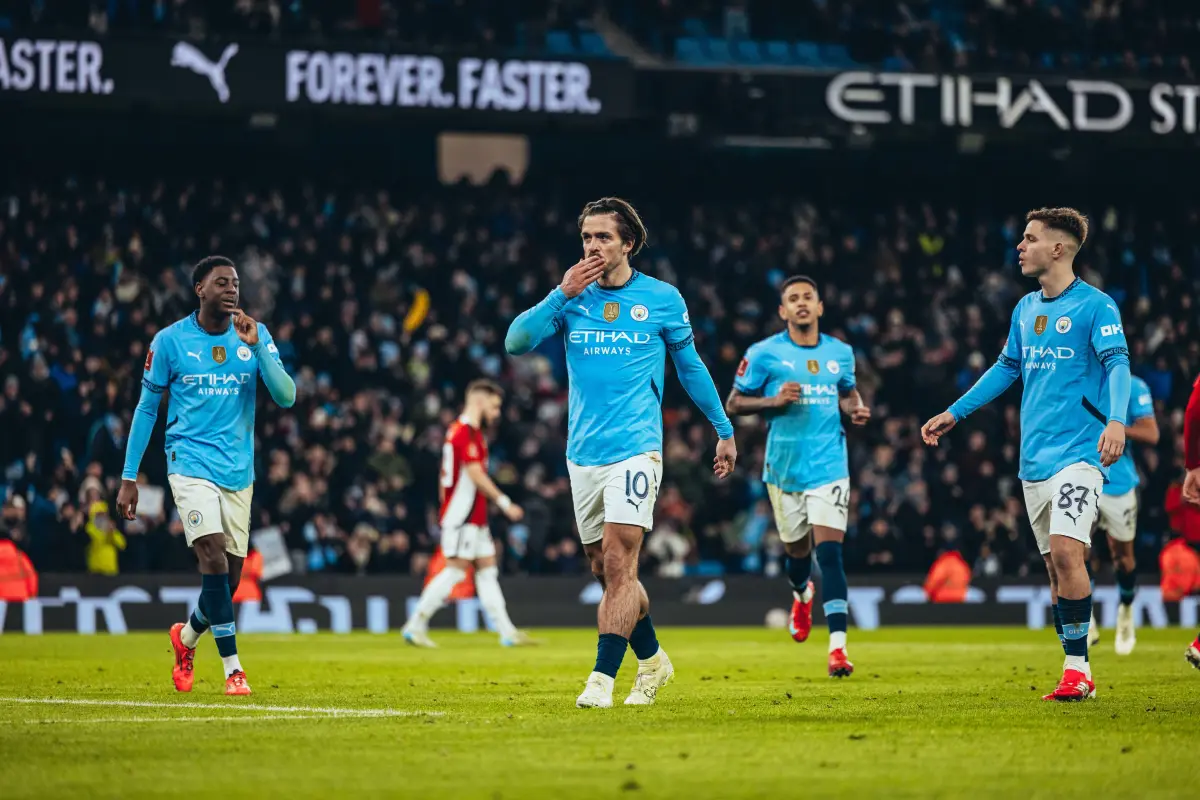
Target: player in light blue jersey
1067	343
208	363
1118	513
618	326
804	380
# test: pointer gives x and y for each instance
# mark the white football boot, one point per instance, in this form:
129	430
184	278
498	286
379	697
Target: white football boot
1125	639
656	674
597	693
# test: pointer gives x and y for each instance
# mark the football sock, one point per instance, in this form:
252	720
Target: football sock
1127	584
799	570
487	586
1076	615
231	664
834	592
217	602
1062	640
435	594
195	627
644	640
610	650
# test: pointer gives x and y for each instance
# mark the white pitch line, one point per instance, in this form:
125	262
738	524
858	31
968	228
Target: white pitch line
141	720
231	706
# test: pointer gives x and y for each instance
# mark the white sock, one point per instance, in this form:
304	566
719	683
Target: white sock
189	635
652	661
231	664
487	586
605	681
1080	663
435	594
804	596
837	640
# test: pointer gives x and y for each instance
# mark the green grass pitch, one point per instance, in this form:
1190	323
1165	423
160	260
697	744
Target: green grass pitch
928	713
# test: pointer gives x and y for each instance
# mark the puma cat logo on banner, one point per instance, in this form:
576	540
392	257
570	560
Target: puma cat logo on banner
187	56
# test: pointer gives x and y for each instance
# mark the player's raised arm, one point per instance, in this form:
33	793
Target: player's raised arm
270	366
697	382
156	377
545	319
746	396
990	385
1108	342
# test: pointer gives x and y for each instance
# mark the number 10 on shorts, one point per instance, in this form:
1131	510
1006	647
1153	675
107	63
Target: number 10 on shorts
637	484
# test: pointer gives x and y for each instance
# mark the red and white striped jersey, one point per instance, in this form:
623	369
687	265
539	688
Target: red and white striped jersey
462	502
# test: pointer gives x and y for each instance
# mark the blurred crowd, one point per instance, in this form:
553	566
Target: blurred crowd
429	23
1150	38
384	305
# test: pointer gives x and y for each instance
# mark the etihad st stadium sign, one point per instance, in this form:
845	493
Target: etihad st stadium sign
1001	102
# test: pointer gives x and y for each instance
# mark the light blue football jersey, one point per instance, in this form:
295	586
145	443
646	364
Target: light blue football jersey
616	341
1123	475
212	381
806	443
1062	346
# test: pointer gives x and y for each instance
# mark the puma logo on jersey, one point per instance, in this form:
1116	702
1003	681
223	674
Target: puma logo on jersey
587	310
790	364
193	355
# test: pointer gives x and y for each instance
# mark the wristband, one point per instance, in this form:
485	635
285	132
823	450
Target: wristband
504	502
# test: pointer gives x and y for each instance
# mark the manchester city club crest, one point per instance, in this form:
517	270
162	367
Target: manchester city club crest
218	354
194	518
1063	325
1039	325
611	311
814	367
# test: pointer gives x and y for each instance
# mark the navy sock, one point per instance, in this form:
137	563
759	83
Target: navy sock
643	640
1076	617
799	570
609	652
1058	627
834	589
217	603
199	621
1127	583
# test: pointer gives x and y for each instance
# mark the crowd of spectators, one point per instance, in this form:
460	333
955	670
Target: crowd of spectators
515	24
1149	38
384	303
1153	38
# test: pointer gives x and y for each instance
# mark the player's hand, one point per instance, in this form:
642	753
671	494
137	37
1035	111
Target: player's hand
127	500
726	458
860	415
582	275
514	513
788	393
937	427
1191	487
1112	443
246	327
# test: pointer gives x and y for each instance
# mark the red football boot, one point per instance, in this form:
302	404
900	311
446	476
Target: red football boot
1073	687
800	625
183	672
236	684
839	665
1192	654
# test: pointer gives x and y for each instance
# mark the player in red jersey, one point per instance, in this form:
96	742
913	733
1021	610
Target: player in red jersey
1191	483
464	491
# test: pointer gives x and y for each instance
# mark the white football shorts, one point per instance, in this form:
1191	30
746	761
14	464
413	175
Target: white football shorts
622	493
207	509
797	512
1064	504
468	541
1118	515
